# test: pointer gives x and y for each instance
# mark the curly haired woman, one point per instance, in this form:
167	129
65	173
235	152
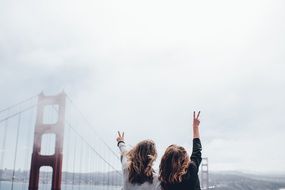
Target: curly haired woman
138	173
178	171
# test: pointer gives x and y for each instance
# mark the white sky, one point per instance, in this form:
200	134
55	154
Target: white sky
144	66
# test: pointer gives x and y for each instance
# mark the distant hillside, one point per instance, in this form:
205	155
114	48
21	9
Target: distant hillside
242	181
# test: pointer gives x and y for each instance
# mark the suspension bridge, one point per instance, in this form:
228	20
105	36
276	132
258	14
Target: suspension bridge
46	142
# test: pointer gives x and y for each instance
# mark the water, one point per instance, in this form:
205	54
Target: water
4	185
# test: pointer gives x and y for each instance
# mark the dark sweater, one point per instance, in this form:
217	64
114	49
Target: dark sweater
190	181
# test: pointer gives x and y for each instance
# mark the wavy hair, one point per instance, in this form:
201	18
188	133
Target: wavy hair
140	161
174	164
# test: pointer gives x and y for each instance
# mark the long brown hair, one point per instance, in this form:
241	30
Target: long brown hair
174	164
140	161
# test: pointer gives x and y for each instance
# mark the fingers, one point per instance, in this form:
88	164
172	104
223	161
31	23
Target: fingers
194	115
121	135
198	114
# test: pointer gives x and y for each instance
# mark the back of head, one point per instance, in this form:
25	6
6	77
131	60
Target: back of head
141	158
173	165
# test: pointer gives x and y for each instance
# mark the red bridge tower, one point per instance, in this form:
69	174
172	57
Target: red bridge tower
57	128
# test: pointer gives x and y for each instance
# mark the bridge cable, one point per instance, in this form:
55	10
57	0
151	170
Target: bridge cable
80	163
93	149
17	104
90	125
3	149
88	144
74	157
16	151
17	113
27	157
67	157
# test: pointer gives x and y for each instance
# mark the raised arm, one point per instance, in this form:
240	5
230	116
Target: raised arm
196	156
123	149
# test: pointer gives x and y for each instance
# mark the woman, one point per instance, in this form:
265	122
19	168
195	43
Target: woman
177	171
138	173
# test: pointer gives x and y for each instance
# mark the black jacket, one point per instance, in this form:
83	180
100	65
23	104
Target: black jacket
190	180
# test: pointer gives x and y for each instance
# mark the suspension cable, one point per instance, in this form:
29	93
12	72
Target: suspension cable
14	105
17	113
90	125
93	149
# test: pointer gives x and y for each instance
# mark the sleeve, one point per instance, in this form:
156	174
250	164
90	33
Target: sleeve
196	155
123	149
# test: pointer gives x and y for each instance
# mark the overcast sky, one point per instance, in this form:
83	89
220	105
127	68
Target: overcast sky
143	66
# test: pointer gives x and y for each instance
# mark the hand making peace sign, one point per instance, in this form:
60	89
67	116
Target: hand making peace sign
196	121
121	137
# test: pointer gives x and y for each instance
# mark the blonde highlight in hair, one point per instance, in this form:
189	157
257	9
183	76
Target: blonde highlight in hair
140	161
173	165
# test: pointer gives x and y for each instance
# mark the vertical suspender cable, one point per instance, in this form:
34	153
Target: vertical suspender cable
3	149
67	157
88	164
80	164
93	169
27	155
108	177
74	156
16	150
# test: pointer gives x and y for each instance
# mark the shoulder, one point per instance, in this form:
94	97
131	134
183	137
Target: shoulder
156	183
191	176
192	165
155	179
192	169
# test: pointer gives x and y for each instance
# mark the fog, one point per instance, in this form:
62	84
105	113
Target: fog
143	67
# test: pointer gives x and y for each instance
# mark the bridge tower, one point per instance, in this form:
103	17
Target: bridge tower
204	175
57	128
